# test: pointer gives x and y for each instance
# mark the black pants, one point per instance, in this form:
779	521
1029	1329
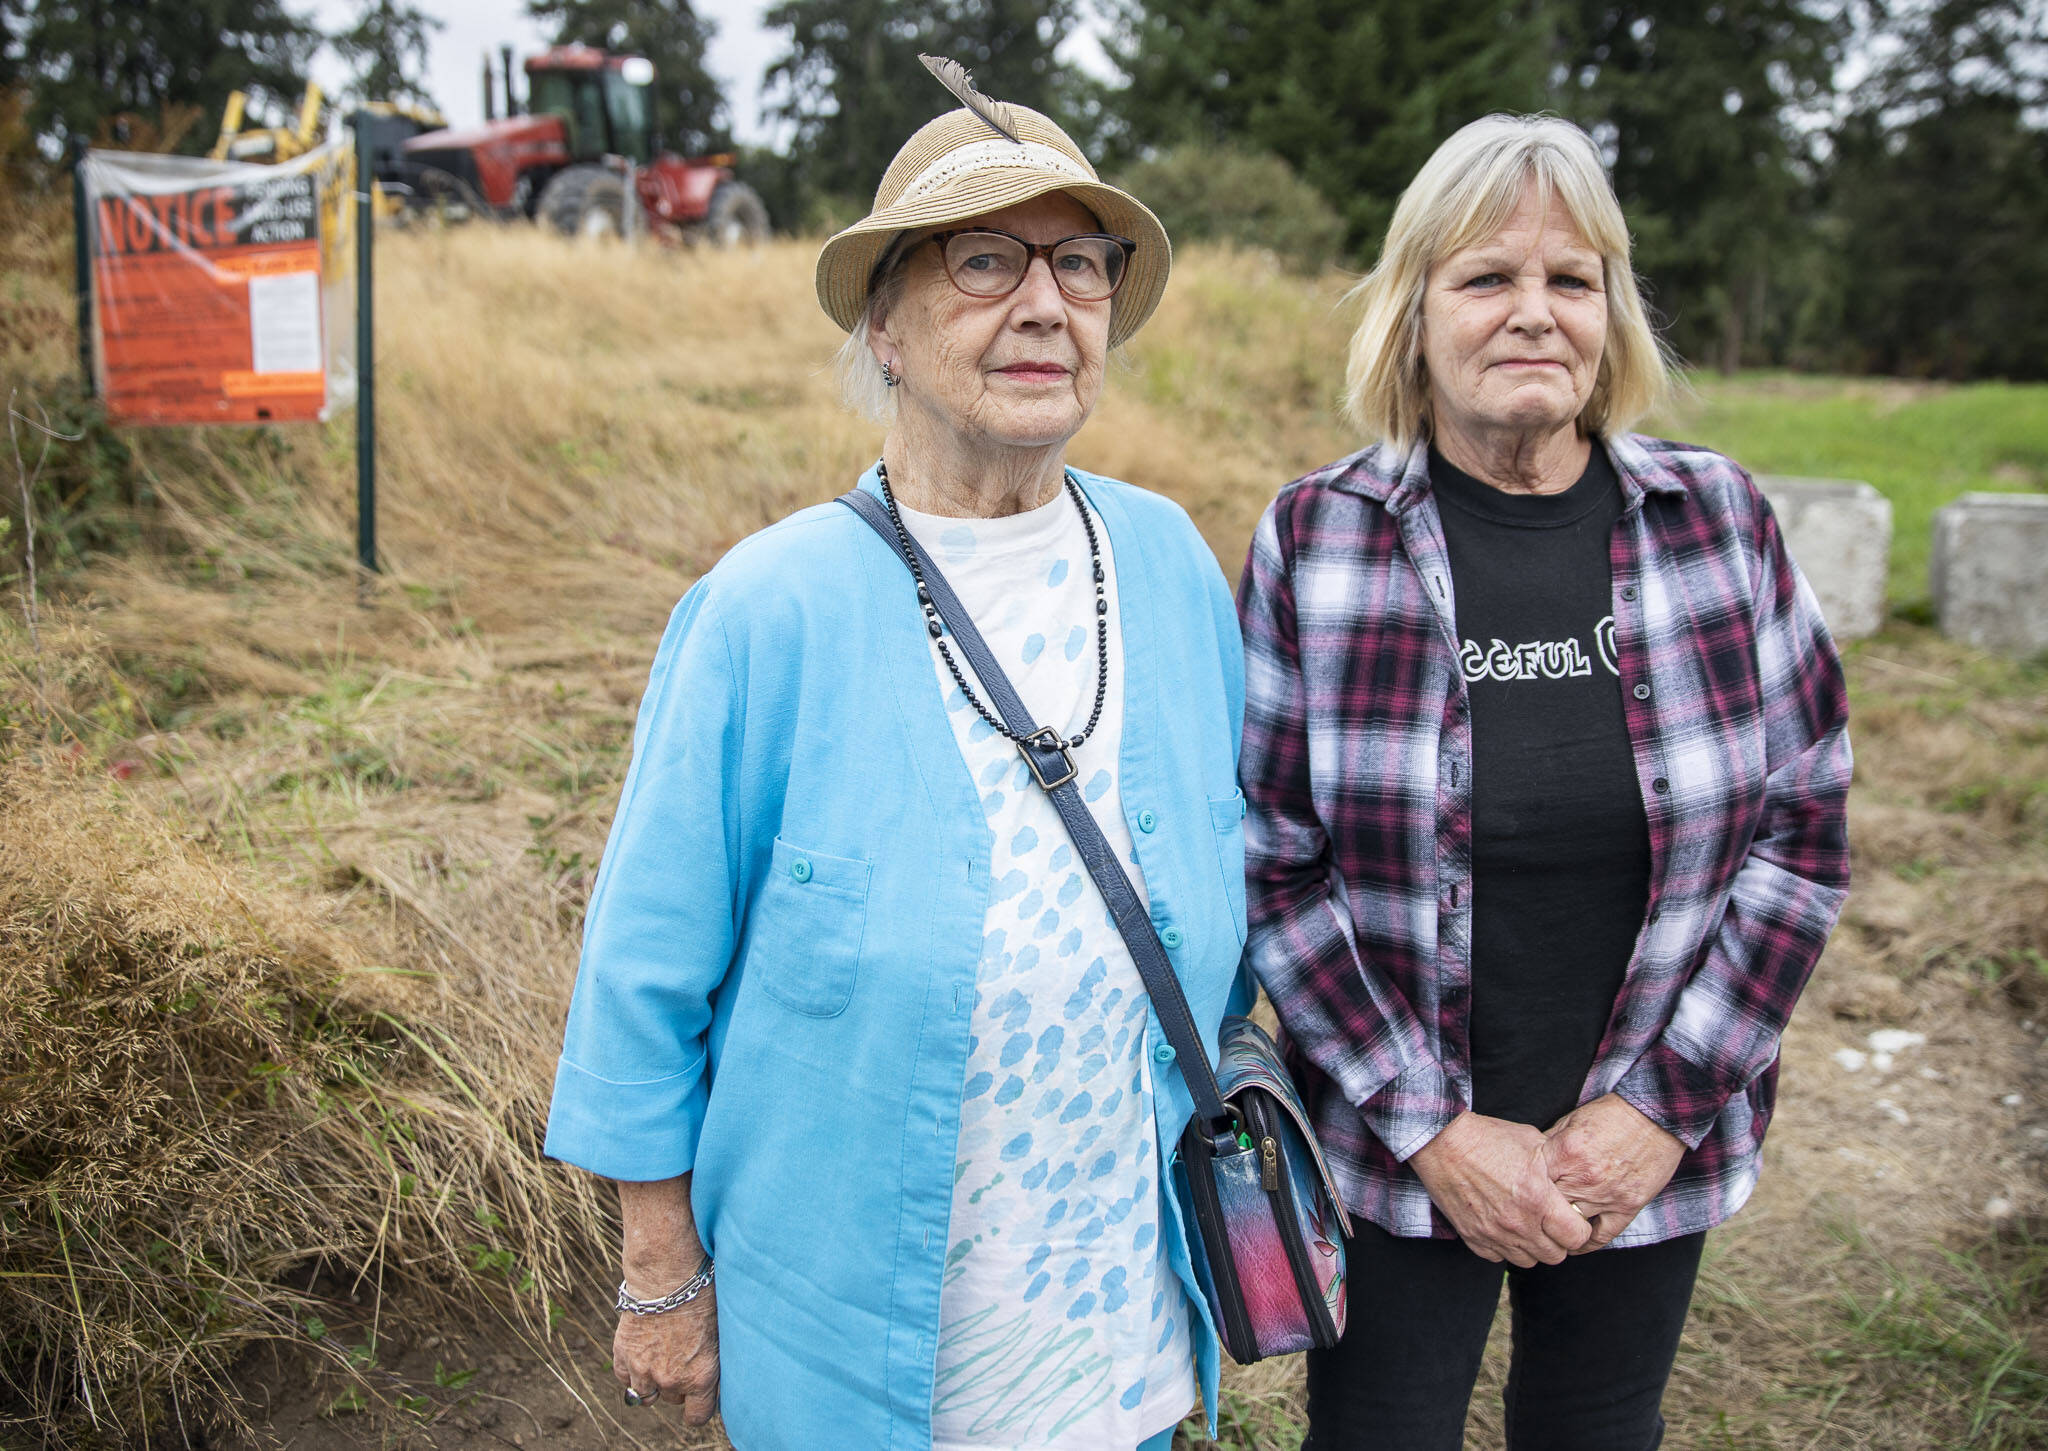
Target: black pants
1594	1339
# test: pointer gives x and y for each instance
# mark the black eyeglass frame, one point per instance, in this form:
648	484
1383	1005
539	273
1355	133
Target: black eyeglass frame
1033	251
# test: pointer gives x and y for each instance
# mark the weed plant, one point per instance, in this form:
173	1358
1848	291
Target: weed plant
208	1096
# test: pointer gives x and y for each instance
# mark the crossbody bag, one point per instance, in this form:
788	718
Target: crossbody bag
1271	1226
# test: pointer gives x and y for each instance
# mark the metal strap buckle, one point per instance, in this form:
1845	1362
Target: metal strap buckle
1045	738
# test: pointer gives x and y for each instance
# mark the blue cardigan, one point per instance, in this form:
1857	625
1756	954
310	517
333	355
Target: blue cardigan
779	958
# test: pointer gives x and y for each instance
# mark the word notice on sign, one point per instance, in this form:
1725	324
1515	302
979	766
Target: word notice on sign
221	289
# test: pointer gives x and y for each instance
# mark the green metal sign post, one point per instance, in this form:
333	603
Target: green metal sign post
81	251
366	356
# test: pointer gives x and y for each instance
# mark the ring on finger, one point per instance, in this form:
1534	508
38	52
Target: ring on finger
1579	1210
634	1398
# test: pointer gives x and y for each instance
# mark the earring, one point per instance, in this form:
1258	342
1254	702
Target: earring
889	378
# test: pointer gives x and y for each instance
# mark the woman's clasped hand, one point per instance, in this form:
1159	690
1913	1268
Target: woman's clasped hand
1491	1179
1609	1161
1523	1196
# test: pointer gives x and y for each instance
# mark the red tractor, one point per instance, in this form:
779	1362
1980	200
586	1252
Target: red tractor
569	156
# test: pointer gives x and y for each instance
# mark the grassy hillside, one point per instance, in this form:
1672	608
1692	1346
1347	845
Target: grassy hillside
1920	444
362	819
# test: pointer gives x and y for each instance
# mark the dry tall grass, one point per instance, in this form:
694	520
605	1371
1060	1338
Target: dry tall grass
211	1095
280	783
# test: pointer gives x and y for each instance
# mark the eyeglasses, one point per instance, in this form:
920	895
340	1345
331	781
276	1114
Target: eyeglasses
1088	267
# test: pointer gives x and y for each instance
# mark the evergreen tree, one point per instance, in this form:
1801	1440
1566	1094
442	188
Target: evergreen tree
1950	52
689	107
387	46
1939	198
13	22
852	87
1354	94
90	59
1699	107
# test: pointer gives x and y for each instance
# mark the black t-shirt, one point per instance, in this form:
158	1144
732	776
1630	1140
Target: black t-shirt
1560	842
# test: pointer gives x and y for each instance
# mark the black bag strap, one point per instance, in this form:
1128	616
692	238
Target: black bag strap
1053	769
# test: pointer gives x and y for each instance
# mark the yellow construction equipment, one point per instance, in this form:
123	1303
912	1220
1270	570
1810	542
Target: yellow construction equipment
395	122
424	117
268	143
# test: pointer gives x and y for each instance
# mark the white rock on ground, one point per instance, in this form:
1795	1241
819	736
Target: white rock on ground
1886	1043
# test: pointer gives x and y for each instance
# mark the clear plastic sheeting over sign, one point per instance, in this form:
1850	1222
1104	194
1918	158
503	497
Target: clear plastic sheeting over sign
223	291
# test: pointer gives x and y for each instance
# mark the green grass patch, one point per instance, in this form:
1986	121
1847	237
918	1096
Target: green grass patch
1921	445
1958	1338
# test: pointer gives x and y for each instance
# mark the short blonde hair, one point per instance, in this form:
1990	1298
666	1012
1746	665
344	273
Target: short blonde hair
1464	194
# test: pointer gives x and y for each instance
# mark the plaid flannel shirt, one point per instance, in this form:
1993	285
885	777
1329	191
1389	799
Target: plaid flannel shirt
1357	767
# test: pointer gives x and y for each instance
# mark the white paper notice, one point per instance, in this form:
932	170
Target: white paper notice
284	322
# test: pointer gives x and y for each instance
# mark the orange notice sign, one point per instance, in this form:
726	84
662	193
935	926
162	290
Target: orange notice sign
209	293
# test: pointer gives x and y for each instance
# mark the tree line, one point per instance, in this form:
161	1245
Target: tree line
1851	185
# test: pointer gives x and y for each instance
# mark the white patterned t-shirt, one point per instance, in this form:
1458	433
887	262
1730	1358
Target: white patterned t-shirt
1061	1323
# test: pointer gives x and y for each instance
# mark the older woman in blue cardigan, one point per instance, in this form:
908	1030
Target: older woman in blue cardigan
852	1017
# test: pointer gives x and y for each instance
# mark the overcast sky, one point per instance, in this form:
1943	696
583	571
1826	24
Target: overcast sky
740	52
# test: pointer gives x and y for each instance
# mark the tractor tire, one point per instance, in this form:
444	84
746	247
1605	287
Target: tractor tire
584	202
737	217
446	198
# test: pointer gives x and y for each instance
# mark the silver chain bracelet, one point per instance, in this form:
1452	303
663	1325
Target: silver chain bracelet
681	1295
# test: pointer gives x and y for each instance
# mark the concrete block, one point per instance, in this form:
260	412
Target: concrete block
1840	535
1990	572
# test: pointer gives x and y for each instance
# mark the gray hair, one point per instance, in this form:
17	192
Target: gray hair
860	376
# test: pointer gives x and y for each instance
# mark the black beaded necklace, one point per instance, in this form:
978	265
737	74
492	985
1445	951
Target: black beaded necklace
938	628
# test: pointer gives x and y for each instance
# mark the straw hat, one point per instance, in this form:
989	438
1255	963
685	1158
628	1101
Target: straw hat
963	165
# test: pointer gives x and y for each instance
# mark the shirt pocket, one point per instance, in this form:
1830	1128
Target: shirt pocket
1226	815
808	925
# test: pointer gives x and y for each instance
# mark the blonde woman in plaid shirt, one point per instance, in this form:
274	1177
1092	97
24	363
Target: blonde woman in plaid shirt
1546	758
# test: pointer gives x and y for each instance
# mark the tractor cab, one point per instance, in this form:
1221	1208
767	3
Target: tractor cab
581	156
601	100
